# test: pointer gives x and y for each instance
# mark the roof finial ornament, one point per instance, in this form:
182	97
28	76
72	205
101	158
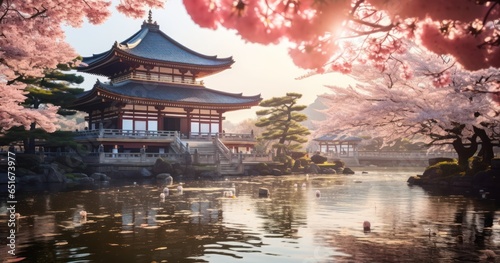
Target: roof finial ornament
150	17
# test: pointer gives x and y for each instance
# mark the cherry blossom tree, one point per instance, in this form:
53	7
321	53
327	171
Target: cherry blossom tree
32	40
328	35
324	35
454	108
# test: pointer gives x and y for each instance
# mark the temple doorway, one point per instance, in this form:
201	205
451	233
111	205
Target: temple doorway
171	124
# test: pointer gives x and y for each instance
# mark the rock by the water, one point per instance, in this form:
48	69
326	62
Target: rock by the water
264	192
84	180
348	170
263	169
276	172
54	176
251	172
414	180
312	169
165	178
79	175
296	166
162	166
100	177
209	174
145	172
328	171
318	159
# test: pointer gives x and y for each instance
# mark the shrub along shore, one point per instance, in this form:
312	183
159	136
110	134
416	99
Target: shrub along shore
447	173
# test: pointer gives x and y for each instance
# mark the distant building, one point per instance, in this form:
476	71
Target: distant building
339	147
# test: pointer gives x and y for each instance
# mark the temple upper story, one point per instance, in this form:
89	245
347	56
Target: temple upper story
151	55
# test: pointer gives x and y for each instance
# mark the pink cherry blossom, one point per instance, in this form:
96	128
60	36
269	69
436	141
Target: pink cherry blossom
32	40
377	25
440	96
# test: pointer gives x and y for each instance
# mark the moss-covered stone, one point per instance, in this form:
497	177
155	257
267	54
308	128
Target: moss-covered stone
161	166
263	169
433	161
318	159
442	169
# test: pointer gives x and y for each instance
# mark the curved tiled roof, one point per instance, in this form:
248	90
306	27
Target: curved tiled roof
144	92
152	44
176	93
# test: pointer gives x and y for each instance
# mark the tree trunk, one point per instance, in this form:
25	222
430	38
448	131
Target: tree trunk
30	147
464	153
486	151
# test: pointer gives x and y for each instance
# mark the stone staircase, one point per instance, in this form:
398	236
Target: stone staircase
202	147
208	148
229	168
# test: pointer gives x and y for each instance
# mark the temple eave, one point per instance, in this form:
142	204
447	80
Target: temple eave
146	61
116	56
96	98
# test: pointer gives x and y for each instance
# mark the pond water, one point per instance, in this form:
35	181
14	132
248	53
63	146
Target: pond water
129	222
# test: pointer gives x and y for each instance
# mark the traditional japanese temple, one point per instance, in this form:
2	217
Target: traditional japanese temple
154	97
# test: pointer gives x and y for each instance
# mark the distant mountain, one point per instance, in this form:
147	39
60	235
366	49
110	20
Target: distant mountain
313	113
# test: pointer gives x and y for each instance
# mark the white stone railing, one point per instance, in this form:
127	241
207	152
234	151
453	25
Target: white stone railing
404	155
178	145
118	133
236	136
222	148
249	157
144	158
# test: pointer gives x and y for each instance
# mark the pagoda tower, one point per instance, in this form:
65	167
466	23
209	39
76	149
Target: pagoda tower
154	88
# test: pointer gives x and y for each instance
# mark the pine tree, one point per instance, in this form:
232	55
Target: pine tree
282	122
55	87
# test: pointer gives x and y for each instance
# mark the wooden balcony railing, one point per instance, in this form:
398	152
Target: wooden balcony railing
157	78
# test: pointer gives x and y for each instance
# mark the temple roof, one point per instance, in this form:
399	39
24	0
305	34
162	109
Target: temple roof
151	46
164	94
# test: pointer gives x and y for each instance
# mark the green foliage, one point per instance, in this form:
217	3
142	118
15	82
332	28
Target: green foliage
55	87
443	169
70	176
476	165
282	122
55	139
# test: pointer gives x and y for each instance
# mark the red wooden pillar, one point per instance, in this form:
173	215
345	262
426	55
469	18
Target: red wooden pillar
119	121
220	120
188	116
102	119
160	117
90	120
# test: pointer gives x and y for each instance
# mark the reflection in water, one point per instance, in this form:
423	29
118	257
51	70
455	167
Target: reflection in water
206	224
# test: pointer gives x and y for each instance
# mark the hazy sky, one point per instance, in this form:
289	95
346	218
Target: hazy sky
258	69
